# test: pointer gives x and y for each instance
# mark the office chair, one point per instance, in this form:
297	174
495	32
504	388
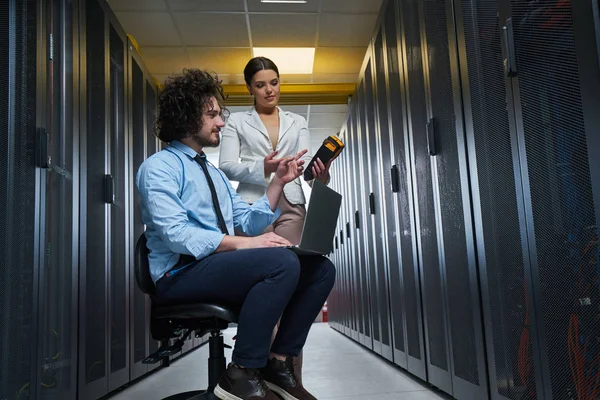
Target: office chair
169	321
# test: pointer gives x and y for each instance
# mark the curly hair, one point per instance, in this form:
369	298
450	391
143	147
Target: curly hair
182	101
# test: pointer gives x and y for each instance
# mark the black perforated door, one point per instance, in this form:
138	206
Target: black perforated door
560	209
17	198
497	198
431	280
457	257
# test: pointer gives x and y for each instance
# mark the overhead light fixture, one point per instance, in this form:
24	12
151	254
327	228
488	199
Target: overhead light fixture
289	60
284	1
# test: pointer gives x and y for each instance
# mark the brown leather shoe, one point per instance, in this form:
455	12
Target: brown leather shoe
243	384
280	378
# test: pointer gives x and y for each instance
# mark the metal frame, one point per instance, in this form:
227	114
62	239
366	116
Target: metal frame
367	263
40	178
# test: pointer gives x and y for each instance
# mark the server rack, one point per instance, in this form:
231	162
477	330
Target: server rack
491	113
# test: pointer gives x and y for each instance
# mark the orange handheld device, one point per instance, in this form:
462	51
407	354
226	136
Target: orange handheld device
331	148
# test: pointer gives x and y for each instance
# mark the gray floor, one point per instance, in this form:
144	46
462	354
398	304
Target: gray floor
335	367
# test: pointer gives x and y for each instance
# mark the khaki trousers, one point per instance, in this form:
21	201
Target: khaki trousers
290	222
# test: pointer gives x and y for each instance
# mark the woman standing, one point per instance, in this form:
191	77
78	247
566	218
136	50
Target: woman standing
259	137
251	145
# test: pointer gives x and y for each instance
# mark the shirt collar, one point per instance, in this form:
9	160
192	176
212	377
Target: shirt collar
185	149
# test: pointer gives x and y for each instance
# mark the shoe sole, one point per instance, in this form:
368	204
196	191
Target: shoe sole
223	395
281	392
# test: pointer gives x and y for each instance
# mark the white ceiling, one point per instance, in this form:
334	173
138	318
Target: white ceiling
218	35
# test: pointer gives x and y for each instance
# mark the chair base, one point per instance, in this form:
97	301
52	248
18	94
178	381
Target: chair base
194	395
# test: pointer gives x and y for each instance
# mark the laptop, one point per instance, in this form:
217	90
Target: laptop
320	222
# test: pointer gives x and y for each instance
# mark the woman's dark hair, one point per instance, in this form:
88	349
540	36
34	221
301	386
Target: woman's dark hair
181	102
258	64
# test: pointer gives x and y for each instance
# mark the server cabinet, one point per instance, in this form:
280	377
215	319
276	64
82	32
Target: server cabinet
537	219
120	175
347	242
498	207
446	145
348	239
436	334
374	335
545	47
57	336
104	266
404	279
364	313
93	337
405	294
379	204
343	246
19	194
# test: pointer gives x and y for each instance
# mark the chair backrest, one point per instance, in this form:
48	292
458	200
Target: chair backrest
142	267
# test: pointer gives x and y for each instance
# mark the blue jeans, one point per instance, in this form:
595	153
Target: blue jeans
266	283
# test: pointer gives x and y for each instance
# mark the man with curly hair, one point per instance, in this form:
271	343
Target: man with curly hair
191	210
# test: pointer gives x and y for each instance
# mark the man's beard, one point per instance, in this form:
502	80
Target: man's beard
207	140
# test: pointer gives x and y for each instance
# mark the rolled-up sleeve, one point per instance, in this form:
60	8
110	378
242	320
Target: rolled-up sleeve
252	219
158	184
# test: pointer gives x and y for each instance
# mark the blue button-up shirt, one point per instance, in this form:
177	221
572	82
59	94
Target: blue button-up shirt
178	211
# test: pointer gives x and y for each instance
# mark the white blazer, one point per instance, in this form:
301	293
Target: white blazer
245	143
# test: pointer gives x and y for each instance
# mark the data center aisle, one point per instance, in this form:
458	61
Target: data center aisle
337	368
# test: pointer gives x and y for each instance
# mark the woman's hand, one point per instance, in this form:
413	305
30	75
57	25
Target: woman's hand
290	168
271	163
321	171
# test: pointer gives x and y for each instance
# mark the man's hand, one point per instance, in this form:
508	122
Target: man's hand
265	240
320	171
290	168
271	163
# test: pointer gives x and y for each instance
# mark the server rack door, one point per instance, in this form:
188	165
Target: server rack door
497	202
348	231
344	246
451	192
93	315
559	205
351	226
19	194
138	126
337	294
348	244
58	282
387	159
359	255
431	282
404	281
377	114
119	214
366	219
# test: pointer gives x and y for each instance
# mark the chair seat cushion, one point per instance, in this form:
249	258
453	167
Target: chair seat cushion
197	311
